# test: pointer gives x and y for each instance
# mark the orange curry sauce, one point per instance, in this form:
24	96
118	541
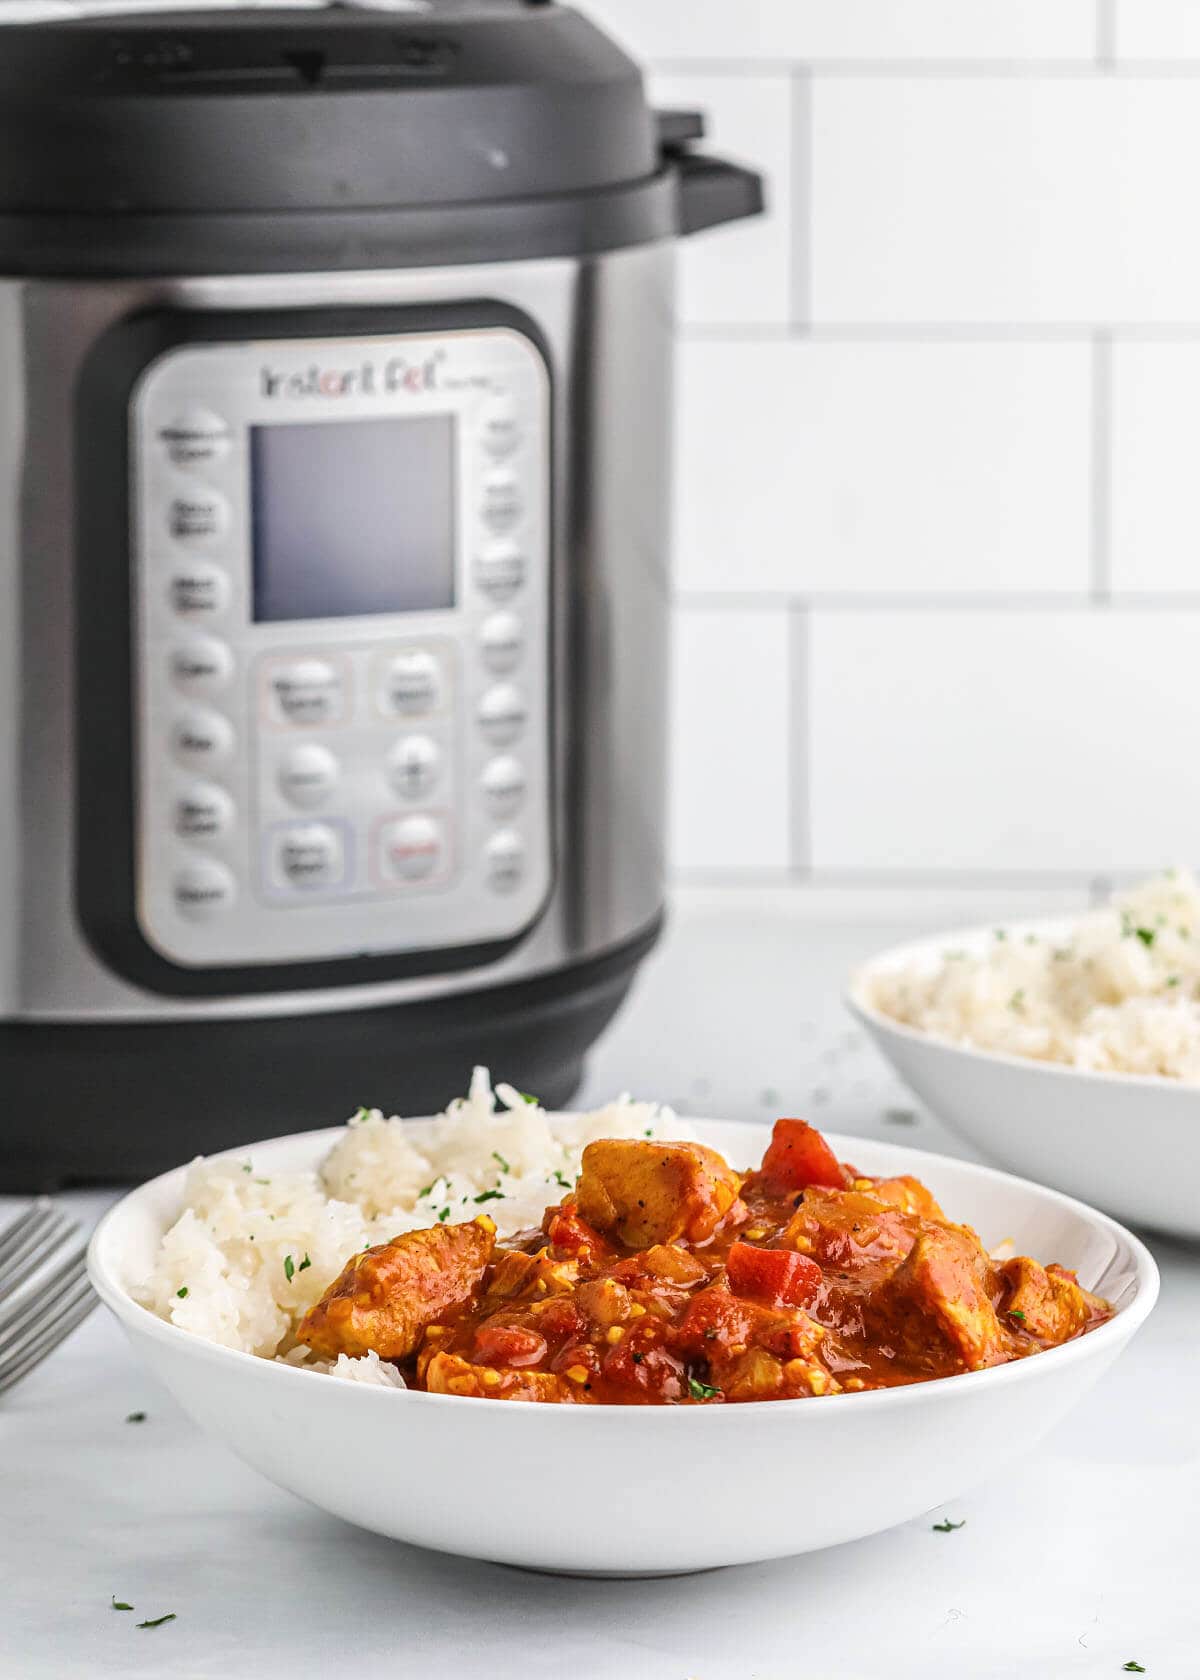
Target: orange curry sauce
666	1278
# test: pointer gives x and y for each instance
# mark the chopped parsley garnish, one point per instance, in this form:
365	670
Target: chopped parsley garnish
701	1391
136	1417
1015	1312
247	1167
443	1216
119	1604
1132	1667
532	1101
649	1132
501	1162
1172	979
182	1293
564	1183
304	1264
361	1113
491	1196
946	1526
159	1620
1146	935
999	933
1017	1000
289	1267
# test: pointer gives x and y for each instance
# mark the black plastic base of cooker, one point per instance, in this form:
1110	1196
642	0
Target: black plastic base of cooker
116	1102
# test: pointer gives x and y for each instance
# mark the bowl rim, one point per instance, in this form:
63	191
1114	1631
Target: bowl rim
855	1000
139	1321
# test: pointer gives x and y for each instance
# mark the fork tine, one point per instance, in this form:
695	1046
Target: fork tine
36	1252
36	1233
37	1329
33	1303
15	1230
58	1332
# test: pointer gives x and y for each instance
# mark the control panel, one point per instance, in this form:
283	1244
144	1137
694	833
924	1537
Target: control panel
341	586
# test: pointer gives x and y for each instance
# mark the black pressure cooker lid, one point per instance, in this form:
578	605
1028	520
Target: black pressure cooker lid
401	132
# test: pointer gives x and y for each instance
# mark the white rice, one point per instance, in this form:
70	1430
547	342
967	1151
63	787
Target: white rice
251	1252
1118	993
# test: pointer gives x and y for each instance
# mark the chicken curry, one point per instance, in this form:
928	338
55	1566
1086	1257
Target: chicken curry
664	1277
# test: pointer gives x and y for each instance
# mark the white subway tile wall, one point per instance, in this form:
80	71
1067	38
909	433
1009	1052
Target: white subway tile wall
936	577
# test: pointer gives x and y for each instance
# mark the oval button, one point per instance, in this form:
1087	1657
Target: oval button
203	889
196	438
498	428
502	641
502	714
203	812
412	684
411	848
201	738
502	505
308	855
503	784
305	691
199	591
201	666
500	570
308	775
504	861
198	516
413	766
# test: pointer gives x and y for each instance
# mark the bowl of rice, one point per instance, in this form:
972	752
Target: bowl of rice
1067	1050
210	1269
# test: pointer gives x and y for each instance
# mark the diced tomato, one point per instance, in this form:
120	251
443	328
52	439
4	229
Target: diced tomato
775	1275
798	1156
508	1344
572	1234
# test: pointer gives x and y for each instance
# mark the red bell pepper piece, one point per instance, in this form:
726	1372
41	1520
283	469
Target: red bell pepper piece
571	1233
798	1156
777	1275
509	1344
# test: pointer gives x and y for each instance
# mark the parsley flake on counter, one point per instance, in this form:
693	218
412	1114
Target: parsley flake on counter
289	1267
491	1196
119	1604
159	1620
701	1391
946	1526
135	1417
500	1161
1132	1667
182	1293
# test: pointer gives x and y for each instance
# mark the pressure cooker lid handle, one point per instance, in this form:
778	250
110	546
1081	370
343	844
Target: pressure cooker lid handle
711	190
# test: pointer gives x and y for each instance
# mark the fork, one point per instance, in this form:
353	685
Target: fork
44	1289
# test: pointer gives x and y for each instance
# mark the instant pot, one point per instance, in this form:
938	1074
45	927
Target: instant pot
334	436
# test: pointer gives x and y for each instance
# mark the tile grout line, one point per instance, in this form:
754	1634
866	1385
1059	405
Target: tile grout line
799	741
1101	469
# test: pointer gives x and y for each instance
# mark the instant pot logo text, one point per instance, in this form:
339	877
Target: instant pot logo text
364	379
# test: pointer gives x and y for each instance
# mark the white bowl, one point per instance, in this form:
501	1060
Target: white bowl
640	1490
1128	1142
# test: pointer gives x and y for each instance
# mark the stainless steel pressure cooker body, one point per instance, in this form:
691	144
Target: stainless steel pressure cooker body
334	433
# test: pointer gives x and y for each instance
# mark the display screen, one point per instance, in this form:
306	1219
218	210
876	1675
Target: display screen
352	517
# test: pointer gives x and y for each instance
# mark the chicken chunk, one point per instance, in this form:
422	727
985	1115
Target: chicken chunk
388	1296
944	1285
647	1193
449	1373
1047	1301
906	1193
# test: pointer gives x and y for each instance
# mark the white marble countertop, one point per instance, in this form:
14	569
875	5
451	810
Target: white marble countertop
1080	1558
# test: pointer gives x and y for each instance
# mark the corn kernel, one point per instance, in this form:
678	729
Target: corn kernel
486	1224
738	1347
854	1385
637	1310
542	1286
756	1233
613	1334
435	1330
863	1183
461	1385
491	1379
577	1373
